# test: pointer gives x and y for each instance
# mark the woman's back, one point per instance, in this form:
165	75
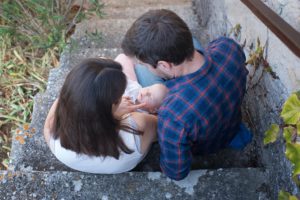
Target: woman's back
85	127
100	164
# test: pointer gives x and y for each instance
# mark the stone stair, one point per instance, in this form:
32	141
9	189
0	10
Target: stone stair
36	174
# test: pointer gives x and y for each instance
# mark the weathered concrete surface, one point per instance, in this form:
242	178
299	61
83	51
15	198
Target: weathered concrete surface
141	3
227	158
220	18
35	154
200	185
265	95
265	99
114	30
54	180
289	10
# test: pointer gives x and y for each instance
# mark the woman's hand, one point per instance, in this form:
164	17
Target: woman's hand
126	106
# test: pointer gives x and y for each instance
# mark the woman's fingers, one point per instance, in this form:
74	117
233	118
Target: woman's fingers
127	106
134	107
126	97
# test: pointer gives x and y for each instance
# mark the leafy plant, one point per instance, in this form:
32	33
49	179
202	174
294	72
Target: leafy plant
271	134
286	196
236	31
44	24
291	131
33	34
257	59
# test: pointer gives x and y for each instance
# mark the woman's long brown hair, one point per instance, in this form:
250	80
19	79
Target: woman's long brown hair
83	120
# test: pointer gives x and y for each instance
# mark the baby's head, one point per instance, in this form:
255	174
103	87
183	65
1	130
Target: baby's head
153	96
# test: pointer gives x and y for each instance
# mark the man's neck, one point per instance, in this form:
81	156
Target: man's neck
188	67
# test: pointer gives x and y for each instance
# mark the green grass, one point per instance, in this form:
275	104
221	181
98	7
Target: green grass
21	79
33	34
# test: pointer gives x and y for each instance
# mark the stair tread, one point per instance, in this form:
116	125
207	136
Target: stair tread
200	184
38	174
35	154
134	12
139	3
114	29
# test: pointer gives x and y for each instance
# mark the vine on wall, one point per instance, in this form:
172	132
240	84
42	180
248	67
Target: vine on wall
290	129
290	114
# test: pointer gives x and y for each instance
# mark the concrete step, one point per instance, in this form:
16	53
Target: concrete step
225	184
70	59
139	3
114	26
182	10
37	174
34	154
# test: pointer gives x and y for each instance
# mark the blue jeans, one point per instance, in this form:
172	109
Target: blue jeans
242	138
147	78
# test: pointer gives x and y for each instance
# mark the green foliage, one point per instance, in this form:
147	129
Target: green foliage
44	24
286	196
33	34
257	59
291	110
289	134
271	134
291	116
94	36
291	130
96	7
236	30
293	154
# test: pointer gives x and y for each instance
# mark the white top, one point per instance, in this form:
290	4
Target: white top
132	90
99	164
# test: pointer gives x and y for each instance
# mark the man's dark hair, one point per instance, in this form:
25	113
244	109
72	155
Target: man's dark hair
83	119
159	35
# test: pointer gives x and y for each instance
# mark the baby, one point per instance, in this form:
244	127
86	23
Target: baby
152	95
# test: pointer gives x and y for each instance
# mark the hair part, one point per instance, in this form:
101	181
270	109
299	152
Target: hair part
159	35
83	120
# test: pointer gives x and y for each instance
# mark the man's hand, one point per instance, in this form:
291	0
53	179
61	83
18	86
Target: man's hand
126	106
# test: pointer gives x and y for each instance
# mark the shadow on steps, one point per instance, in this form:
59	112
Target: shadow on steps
227	158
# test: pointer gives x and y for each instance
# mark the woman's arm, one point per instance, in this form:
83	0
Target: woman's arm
148	124
49	122
127	65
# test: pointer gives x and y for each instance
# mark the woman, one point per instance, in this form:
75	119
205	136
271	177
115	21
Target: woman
91	128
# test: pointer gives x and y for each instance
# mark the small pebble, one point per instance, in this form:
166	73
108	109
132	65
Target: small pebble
168	195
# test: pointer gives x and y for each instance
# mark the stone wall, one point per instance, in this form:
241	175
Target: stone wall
266	92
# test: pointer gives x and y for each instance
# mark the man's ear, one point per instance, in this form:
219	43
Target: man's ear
164	66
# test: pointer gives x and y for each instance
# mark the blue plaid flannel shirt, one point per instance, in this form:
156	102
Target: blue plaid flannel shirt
201	113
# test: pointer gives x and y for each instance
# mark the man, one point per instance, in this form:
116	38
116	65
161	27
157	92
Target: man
202	111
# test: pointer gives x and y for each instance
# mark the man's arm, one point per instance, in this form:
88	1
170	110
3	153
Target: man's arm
176	156
127	65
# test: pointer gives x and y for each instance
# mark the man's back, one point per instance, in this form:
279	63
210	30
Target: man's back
201	114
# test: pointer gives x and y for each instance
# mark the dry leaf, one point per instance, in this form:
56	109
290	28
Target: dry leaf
20	139
26	127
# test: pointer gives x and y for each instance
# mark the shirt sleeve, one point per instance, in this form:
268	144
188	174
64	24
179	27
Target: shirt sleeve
175	157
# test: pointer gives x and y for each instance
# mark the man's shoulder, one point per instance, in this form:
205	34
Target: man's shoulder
224	49
222	41
224	44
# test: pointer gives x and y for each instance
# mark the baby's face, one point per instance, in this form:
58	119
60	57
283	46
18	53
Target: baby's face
153	96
